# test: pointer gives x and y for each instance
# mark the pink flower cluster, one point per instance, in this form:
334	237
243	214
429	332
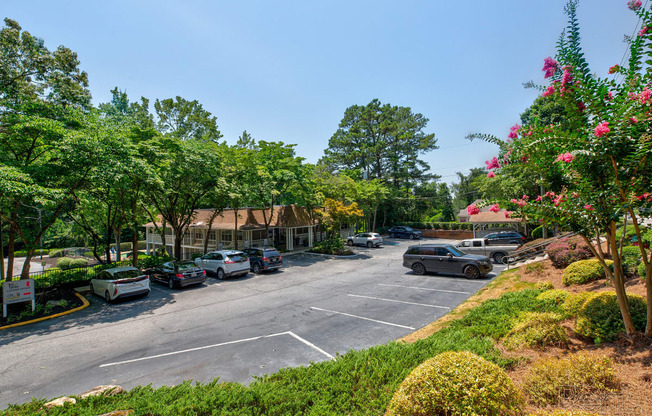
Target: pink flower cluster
495	208
492	164
644	31
645	196
472	209
634	4
589	207
508	214
549	66
633	120
549	91
614	69
565	157
558	200
602	129
491	175
513	131
581	107
520	202
645	95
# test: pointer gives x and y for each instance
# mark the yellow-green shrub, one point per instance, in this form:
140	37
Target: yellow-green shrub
583	271
556	297
600	318
575	301
535	329
561	412
456	383
552	379
545	285
534	267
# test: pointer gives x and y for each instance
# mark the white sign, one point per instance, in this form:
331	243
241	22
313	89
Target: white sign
17	291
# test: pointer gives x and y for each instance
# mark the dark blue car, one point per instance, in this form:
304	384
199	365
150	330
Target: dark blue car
404	232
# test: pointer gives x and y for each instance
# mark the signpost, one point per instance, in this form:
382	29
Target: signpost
18	291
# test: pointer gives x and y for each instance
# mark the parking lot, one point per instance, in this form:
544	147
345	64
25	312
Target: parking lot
312	310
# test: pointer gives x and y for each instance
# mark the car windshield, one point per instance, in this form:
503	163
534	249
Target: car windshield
127	274
408	229
186	266
237	257
456	252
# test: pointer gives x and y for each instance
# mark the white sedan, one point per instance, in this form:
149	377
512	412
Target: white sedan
365	239
120	282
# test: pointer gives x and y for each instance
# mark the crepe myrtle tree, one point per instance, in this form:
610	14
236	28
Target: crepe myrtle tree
601	152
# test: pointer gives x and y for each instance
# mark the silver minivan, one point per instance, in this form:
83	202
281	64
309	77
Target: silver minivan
224	263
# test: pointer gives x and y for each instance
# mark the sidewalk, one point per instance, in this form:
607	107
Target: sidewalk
35	266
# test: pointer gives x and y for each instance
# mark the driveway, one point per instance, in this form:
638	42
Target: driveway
234	329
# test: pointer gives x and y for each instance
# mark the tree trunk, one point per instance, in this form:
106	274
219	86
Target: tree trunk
178	238
118	252
134	246
24	274
648	287
619	282
375	216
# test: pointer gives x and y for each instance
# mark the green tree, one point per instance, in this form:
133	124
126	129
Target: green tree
186	120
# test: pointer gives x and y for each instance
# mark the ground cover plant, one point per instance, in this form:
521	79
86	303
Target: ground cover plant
584	271
599	317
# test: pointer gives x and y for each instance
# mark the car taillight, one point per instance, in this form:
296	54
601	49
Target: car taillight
115	291
179	275
265	258
229	262
203	272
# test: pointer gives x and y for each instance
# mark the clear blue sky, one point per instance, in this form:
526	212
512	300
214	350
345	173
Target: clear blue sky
287	70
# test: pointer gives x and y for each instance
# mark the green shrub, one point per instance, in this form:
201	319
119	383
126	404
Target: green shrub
195	255
539	330
77	263
556	296
148	262
64	263
544	285
141	245
23	253
537	232
584	271
57	252
631	258
534	267
574	303
552	379
331	246
600	318
568	250
456	383
641	270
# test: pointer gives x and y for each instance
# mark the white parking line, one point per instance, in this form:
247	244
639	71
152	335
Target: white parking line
399	301
220	345
425	288
362	317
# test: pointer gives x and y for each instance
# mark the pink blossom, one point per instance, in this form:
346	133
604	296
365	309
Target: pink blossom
521	203
565	157
549	66
614	69
633	120
513	131
549	91
508	214
589	207
513	201
525	158
645	95
558	200
581	107
575	195
632	96
539	198
644	31
495	208
567	77
526	197
602	129
634	4
472	210
610	96
493	164
491	175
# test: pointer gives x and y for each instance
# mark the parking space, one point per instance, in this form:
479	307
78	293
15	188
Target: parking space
234	329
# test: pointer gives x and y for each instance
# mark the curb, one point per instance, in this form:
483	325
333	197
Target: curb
56	315
332	256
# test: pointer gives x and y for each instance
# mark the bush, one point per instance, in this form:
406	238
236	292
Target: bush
148	262
641	270
537	232
537	330
23	253
74	263
456	383
600	318
142	245
552	379
568	250
584	271
57	252
64	263
544	285
631	257
574	303
193	256
331	246
534	267
556	297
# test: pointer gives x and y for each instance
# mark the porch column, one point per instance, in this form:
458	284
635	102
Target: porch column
311	232
290	240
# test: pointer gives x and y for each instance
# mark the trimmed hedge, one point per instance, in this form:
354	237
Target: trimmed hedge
556	296
57	252
574	303
456	383
600	318
23	253
538	330
584	271
567	251
551	379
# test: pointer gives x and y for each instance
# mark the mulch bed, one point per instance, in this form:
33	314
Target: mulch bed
21	312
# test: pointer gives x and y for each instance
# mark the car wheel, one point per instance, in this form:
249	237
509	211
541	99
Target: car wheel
498	257
257	268
418	268
107	297
392	236
471	272
412	236
349	242
370	244
90	287
171	283
220	274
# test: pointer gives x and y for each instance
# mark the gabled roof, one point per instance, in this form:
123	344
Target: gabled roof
490	217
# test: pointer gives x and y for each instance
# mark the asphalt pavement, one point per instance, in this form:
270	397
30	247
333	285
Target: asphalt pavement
312	310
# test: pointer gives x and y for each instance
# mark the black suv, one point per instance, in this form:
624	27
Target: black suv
261	259
403	232
505	237
446	259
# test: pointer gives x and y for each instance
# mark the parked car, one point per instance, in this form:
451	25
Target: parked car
404	232
264	258
446	259
482	247
178	274
365	239
505	237
224	263
120	282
